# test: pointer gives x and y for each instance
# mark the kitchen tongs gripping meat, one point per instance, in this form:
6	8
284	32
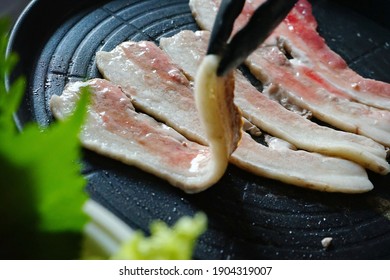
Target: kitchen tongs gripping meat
234	51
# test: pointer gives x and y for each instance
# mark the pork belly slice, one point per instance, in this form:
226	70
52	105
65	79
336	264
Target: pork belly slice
277	74
146	76
205	11
220	117
114	129
187	50
303	87
309	170
130	62
312	56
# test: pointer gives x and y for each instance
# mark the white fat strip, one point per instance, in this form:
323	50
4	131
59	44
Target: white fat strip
334	174
187	48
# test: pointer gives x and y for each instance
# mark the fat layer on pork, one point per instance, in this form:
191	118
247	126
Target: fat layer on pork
300	84
113	128
187	49
153	81
298	36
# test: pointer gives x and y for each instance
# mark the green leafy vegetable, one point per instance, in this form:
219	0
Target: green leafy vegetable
165	243
41	186
9	103
50	161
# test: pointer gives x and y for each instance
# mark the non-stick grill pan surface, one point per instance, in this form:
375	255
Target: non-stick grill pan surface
249	217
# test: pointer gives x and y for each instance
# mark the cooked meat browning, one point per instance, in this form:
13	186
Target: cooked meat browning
187	50
140	70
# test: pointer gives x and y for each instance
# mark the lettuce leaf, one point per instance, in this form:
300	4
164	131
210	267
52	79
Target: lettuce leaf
165	243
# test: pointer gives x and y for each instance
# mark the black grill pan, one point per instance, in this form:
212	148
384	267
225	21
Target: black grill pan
249	217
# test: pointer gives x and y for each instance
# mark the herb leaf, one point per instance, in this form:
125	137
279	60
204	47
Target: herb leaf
41	185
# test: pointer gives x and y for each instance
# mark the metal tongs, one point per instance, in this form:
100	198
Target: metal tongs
263	21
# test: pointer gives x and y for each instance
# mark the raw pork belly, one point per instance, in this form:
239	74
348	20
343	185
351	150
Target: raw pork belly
316	78
113	128
140	70
187	50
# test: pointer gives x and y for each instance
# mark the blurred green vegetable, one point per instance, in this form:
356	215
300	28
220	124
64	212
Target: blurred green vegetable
41	186
165	243
8	102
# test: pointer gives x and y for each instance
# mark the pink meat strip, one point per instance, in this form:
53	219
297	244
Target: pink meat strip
187	50
312	56
302	85
316	60
158	87
114	129
277	74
